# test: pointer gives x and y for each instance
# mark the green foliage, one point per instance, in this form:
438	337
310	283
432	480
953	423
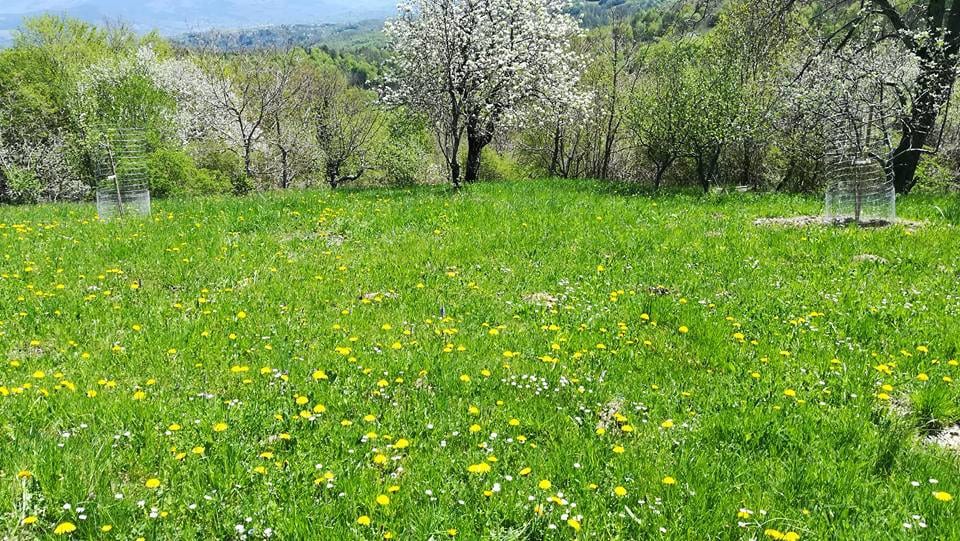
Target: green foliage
403	155
360	66
936	174
497	166
174	172
934	408
893	440
223	165
22	185
66	83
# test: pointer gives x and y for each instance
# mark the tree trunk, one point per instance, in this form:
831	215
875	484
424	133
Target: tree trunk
747	163
662	168
938	63
658	179
248	160
455	173
284	160
475	147
930	96
333	175
702	174
285	167
478	137
555	158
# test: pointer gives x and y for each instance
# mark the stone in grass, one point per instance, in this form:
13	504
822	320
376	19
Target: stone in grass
869	258
543	299
378	296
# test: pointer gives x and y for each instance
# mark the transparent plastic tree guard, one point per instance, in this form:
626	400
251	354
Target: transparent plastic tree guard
860	192
124	188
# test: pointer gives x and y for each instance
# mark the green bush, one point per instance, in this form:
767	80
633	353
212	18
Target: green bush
174	172
224	165
496	166
402	164
934	175
23	186
404	156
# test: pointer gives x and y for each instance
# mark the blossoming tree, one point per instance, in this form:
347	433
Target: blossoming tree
475	67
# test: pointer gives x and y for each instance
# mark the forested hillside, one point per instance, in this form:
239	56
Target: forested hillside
335	36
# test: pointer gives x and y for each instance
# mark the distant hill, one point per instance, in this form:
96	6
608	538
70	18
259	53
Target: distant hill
599	12
260	23
175	17
337	36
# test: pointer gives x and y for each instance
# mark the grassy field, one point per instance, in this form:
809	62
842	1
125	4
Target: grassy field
541	360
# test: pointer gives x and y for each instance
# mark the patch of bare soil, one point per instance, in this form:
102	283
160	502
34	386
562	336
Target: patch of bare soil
803	221
948	438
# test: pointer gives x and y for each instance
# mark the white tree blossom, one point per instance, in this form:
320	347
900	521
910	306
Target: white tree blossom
196	116
475	67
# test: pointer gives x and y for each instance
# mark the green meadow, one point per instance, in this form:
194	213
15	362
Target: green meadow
516	361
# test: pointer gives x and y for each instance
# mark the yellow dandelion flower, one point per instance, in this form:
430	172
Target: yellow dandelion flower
482	467
943	496
65	528
152	483
669	480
